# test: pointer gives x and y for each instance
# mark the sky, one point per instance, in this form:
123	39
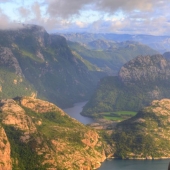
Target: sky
96	16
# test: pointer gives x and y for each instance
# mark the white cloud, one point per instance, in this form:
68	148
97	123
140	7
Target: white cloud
24	12
121	16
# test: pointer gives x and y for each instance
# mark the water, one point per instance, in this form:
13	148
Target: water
135	165
75	113
118	164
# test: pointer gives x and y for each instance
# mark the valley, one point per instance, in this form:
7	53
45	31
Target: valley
125	83
84	85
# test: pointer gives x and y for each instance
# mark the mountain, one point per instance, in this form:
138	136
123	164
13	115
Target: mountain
140	81
102	44
167	55
36	134
33	61
109	56
159	43
12	80
146	135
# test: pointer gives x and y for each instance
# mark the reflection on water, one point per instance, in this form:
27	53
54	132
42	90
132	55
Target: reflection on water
75	113
135	164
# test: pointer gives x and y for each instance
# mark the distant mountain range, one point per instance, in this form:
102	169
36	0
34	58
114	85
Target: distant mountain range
109	56
159	43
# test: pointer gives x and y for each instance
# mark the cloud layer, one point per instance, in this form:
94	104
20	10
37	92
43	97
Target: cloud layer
119	16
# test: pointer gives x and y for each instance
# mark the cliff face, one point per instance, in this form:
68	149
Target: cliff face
5	150
32	60
147	135
145	69
39	134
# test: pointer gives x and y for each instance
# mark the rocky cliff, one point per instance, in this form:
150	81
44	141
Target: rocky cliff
38	134
34	61
147	135
145	69
5	150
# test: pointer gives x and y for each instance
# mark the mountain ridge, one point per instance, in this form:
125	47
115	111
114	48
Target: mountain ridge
146	135
140	81
159	43
47	65
40	135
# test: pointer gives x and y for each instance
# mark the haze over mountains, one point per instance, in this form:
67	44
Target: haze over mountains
159	43
109	56
35	63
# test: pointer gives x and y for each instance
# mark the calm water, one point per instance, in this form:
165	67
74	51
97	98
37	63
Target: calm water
75	113
135	165
118	164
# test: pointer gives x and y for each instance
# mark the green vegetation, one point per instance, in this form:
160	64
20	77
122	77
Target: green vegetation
115	93
12	85
117	116
48	67
112	95
47	140
23	154
25	53
110	60
144	135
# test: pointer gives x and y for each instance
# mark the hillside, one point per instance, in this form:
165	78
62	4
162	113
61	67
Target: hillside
110	56
36	134
146	135
33	61
140	81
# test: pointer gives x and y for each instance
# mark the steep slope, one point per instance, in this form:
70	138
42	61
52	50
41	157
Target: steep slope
42	136
147	135
140	81
5	150
110	56
48	65
12	80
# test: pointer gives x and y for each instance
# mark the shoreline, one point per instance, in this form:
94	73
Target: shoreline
114	158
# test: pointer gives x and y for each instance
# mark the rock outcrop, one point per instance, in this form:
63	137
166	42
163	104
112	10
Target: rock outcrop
8	59
5	151
53	139
32	60
146	135
145	69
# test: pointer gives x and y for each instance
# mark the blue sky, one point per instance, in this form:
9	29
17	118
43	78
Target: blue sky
106	16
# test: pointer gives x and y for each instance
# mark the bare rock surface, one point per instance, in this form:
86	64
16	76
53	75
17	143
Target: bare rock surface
55	139
145	69
5	150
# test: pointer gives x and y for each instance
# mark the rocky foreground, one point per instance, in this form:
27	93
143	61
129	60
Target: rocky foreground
36	134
